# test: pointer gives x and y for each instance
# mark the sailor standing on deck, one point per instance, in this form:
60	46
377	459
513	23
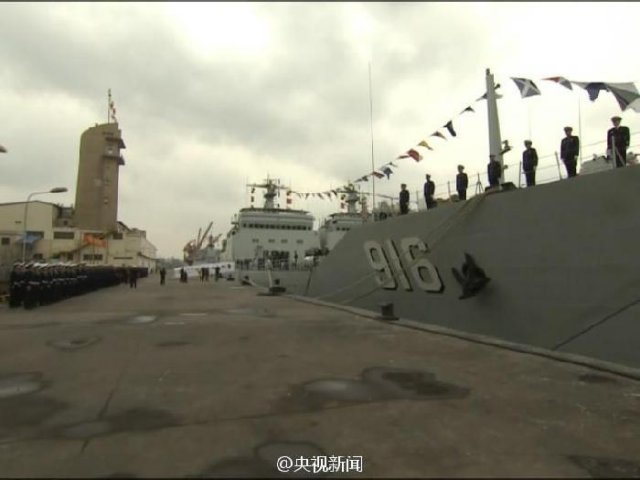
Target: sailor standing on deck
462	182
569	151
494	171
429	192
618	139
404	199
529	163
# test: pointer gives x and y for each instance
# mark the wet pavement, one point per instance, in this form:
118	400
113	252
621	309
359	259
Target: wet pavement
212	380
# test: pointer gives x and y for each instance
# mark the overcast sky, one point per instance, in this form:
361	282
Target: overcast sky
212	95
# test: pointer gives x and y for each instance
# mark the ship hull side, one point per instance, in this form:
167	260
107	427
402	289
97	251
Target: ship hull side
562	259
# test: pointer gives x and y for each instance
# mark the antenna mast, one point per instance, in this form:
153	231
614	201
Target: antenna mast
373	177
495	141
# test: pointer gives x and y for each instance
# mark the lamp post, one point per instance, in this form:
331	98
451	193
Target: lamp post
26	209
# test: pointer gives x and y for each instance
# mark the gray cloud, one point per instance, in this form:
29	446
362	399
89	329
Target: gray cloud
199	124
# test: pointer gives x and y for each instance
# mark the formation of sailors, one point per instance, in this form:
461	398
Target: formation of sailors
37	284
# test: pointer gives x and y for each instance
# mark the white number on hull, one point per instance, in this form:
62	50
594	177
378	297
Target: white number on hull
397	265
424	273
422	266
378	260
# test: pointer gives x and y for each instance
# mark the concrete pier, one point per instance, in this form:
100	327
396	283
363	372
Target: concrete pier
212	379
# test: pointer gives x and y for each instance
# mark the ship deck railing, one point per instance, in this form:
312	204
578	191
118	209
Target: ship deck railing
550	169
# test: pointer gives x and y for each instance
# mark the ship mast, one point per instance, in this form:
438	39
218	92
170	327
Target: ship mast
495	141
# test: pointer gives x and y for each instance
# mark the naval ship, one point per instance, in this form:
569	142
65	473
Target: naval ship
269	235
554	267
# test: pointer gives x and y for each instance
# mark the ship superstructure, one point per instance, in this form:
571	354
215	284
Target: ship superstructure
279	235
336	225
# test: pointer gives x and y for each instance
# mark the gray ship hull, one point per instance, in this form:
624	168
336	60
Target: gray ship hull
562	258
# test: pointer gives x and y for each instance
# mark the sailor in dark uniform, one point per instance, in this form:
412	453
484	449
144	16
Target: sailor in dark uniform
569	151
529	163
429	192
462	182
16	285
404	199
133	277
44	293
494	171
31	288
618	139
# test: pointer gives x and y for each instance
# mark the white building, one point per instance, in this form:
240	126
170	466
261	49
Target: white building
88	233
51	236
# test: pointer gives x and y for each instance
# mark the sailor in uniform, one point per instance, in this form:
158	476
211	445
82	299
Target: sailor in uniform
618	139
462	182
429	192
494	171
569	151
404	199
16	285
31	287
529	163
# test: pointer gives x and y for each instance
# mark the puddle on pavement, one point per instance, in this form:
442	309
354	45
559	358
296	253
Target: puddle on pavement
142	319
20	384
19	407
133	420
343	390
376	384
412	384
74	343
603	467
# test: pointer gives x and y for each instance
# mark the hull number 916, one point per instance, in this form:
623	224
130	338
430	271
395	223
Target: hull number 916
407	268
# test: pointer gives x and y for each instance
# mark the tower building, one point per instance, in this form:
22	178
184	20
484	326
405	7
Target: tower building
96	206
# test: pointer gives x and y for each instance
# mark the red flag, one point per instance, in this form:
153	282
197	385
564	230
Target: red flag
378	174
415	155
560	80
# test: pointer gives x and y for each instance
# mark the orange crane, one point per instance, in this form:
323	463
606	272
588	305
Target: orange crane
193	246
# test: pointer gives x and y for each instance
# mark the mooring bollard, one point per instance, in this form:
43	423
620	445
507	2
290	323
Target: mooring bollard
386	312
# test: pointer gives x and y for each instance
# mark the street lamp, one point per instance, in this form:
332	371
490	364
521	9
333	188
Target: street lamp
26	209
